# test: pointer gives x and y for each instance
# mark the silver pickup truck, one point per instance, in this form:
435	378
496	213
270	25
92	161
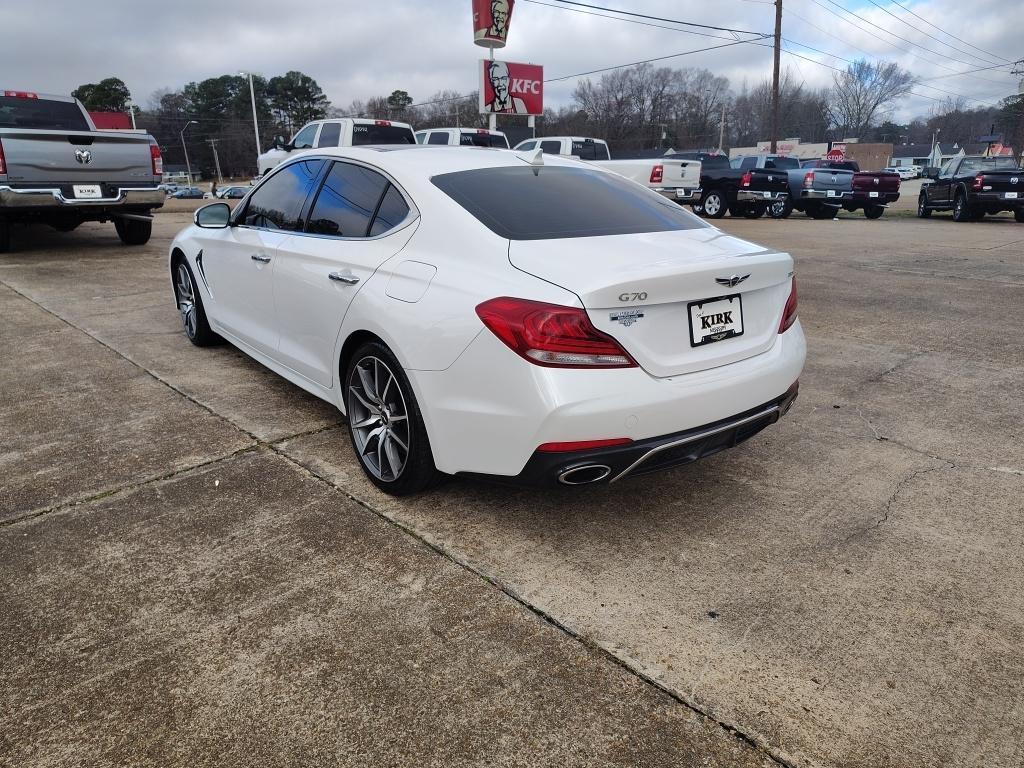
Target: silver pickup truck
818	192
57	169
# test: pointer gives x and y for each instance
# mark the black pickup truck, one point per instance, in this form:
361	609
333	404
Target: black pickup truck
746	193
972	187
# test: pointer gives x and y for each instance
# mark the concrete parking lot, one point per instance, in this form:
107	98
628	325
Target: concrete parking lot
195	571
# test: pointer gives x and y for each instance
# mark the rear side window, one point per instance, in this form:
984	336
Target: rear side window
527	145
590	150
747	163
551	147
558	202
470	139
393	209
420	137
277	204
330	135
378	133
438	138
43	114
347	201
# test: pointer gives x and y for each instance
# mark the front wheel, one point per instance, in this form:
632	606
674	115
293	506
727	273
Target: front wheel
190	307
133	231
714	204
874	211
781	209
385	423
923	211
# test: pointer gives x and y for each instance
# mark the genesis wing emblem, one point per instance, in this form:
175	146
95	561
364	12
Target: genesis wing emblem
732	281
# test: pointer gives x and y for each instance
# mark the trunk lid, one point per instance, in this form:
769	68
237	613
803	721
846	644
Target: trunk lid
47	157
638	288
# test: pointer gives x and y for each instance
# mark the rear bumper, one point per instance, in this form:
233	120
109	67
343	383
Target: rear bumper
759	196
54	198
865	198
684	194
997	200
609	465
822	195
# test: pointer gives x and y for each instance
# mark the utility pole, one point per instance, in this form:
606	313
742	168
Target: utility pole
721	130
188	164
775	77
216	159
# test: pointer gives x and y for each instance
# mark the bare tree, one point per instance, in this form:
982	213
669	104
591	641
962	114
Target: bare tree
862	93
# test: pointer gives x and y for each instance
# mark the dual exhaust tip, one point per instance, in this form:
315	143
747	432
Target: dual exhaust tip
585	474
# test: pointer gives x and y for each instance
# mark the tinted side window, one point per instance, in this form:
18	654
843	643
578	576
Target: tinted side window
330	134
278	203
438	138
748	163
304	138
550	147
346	201
527	145
392	210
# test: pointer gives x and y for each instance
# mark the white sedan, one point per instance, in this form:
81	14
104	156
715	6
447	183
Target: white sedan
481	312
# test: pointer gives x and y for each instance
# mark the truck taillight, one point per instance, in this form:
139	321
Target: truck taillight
657	174
809	179
158	161
978	181
382	122
3	162
747	180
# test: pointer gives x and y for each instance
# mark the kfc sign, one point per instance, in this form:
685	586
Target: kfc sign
511	89
491	19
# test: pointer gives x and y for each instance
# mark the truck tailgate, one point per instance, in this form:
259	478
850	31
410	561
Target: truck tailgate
876	182
45	157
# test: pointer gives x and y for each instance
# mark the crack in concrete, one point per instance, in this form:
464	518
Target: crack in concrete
750	738
895	493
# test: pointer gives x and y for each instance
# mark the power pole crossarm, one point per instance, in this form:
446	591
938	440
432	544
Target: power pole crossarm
775	77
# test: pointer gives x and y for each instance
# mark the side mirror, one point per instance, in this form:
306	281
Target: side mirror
213	216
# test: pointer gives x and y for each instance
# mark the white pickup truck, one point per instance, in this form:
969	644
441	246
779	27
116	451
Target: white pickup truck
675	179
336	132
462	137
57	169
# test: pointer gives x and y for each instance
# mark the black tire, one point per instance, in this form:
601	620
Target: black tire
383	415
821	212
190	306
874	211
697	208
5	237
961	210
1018	216
754	211
714	204
781	209
923	211
133	231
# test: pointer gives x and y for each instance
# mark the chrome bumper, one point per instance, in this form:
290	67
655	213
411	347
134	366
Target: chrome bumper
680	193
51	197
753	196
823	194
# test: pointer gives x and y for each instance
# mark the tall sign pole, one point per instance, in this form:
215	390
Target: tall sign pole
775	77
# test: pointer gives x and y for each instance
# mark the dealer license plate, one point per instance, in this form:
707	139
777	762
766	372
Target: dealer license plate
1011	195
766	195
872	194
86	191
716	319
831	193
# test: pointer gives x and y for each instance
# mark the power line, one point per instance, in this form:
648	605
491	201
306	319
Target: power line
661	18
646	61
949	34
933	37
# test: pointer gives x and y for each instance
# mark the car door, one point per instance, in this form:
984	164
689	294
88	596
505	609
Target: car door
939	191
359	220
330	135
239	266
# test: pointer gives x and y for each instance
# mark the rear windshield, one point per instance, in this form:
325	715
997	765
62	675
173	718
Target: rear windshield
381	134
468	139
782	163
975	164
523	203
42	114
590	150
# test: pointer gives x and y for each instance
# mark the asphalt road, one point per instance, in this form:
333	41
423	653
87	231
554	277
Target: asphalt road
194	571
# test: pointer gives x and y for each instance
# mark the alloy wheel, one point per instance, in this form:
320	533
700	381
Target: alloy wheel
712	204
379	418
186	300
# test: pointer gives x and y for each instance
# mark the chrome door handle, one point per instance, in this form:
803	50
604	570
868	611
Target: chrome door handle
343	278
260	258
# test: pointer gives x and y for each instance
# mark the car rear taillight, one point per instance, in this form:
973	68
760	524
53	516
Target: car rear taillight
582	445
809	179
21	94
3	161
978	181
789	313
157	159
657	174
552	335
747	180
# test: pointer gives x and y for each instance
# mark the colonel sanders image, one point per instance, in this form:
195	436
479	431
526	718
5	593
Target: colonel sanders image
499	19
503	101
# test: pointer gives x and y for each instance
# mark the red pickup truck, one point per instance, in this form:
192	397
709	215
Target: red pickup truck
872	190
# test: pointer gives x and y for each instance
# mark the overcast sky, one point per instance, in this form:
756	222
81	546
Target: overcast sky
358	48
